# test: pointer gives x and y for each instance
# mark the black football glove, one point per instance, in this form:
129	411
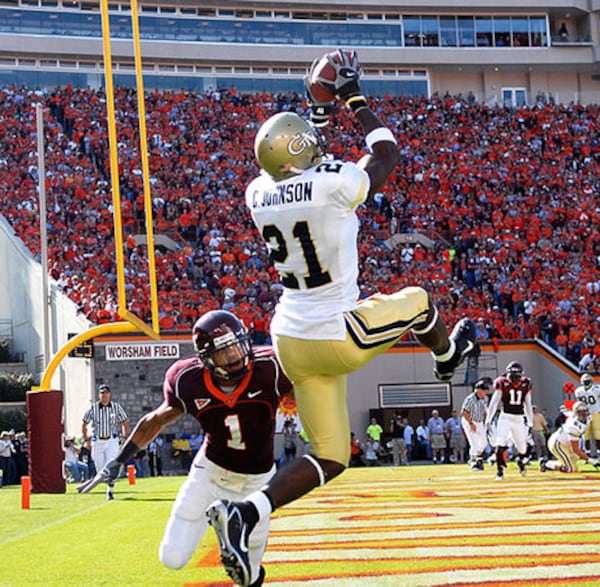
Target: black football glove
107	475
346	83
319	111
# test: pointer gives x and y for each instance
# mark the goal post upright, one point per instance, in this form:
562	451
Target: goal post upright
145	166
122	311
45	433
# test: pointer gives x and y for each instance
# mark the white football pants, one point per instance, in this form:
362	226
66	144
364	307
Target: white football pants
205	483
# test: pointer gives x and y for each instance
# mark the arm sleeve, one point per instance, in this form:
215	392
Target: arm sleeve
493	407
529	409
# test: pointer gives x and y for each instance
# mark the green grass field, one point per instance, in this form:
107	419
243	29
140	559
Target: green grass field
419	525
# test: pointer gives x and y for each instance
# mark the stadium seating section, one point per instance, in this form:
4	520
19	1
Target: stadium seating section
507	201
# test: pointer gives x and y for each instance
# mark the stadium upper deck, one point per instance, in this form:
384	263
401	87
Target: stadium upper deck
500	52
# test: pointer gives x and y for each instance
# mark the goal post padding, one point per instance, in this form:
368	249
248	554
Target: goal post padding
45	428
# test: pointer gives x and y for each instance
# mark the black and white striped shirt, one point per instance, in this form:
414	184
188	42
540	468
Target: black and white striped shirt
475	407
106	420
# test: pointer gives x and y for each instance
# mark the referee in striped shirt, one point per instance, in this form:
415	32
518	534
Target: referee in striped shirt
473	418
110	424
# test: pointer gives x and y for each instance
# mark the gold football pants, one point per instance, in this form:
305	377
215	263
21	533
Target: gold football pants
319	368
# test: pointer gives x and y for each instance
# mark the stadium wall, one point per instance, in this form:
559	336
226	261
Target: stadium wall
21	302
137	383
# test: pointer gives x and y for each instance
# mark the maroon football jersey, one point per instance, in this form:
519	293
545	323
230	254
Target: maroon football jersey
238	426
513	394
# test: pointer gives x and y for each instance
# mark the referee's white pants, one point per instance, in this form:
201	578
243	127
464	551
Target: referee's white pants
103	451
477	439
205	483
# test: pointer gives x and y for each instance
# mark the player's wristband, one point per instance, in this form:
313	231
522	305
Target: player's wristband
379	134
127	452
356	103
319	115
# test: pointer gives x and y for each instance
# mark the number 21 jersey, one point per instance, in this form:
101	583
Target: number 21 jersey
310	227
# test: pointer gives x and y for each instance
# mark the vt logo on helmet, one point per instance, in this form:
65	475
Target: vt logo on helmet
287	145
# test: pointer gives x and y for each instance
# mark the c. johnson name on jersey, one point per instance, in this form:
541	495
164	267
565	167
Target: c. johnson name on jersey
289	193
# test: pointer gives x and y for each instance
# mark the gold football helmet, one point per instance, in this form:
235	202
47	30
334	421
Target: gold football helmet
287	145
581	410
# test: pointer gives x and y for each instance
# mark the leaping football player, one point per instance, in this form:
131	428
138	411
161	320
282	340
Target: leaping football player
305	208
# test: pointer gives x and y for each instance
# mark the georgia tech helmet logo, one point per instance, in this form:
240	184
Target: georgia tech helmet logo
301	141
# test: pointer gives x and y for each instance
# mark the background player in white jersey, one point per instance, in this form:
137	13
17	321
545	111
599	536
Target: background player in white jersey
589	393
233	391
564	443
512	397
305	209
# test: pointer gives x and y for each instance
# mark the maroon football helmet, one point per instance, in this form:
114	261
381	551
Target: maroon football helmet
223	345
514	371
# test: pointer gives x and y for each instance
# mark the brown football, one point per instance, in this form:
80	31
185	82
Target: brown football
323	70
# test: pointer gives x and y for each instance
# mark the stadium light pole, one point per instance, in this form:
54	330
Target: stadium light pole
39	118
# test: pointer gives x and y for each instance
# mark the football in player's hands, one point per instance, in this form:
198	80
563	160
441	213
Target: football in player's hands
330	73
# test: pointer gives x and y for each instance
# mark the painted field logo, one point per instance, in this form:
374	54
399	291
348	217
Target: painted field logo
141	351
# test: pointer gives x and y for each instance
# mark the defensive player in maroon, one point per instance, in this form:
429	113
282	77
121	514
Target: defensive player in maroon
233	391
512	398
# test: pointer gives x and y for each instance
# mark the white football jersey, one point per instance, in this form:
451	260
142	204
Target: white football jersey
590	397
310	227
572	429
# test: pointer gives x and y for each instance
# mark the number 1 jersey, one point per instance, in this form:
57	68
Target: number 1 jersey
238	426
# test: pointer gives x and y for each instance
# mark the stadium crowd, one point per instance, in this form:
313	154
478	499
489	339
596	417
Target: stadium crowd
508	199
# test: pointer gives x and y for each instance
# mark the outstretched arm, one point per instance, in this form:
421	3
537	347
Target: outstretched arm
493	408
383	158
577	450
381	143
146	430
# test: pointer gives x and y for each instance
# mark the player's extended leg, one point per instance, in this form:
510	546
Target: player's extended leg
187	523
322	406
519	436
386	318
566	459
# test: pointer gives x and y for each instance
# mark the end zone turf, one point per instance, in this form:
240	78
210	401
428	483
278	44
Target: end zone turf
380	526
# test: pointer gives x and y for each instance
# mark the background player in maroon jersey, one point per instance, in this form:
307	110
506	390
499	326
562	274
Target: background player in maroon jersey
512	397
233	391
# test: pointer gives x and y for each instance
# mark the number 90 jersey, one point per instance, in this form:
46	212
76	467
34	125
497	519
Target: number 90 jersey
310	227
590	397
238	426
